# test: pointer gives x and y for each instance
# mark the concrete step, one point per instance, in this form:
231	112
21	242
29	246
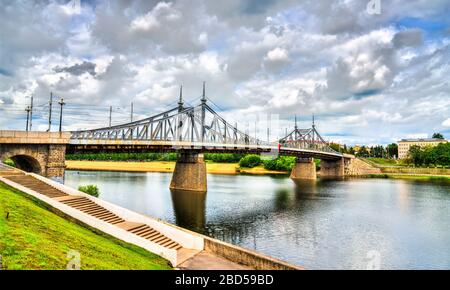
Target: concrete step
36	185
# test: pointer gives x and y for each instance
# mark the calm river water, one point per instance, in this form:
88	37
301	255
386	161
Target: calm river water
351	224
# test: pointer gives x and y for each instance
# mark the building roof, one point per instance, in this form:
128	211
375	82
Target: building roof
423	140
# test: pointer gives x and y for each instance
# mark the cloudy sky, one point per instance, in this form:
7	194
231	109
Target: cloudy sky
368	77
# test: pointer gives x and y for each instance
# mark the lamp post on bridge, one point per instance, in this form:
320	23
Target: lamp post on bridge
50	112
61	103
31	115
28	110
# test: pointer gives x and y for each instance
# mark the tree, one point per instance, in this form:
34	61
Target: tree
335	147
351	150
438	136
442	154
363	152
438	155
392	150
415	154
377	151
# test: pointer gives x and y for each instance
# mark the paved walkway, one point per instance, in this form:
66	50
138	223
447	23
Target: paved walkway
205	260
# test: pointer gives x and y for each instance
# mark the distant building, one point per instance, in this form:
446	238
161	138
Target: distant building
405	144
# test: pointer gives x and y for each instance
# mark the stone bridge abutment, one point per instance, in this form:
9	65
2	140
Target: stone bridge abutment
39	152
348	165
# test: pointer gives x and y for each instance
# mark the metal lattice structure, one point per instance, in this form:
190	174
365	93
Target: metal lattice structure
307	139
197	126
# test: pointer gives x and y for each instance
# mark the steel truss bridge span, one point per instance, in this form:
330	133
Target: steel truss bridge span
196	128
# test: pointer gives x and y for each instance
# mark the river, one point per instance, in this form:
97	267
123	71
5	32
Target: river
328	224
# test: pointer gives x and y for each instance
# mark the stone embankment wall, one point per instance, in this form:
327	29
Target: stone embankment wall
358	167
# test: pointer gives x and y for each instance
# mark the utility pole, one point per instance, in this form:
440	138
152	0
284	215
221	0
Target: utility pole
203	112
180	101
31	113
110	115
313	131
235	132
131	111
50	112
61	103
295	128
27	109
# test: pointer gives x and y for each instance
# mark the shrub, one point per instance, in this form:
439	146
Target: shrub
282	163
90	189
9	162
223	157
250	161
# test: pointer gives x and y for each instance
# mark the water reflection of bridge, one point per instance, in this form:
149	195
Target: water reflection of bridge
190	212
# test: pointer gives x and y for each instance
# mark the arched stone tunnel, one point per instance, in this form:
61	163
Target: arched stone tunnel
46	160
27	163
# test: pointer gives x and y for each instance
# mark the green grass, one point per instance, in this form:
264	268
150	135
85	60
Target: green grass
411	176
386	162
32	237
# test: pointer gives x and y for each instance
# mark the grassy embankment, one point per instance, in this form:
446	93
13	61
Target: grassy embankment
411	176
32	237
398	169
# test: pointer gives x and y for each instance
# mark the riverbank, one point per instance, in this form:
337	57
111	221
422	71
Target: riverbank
225	168
164	166
418	177
397	169
33	237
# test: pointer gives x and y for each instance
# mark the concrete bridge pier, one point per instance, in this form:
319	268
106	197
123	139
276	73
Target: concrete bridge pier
189	173
332	169
304	169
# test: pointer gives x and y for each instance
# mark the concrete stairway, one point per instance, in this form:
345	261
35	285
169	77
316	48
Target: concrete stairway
91	208
88	207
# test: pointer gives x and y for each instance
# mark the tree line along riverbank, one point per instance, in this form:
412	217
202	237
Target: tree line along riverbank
224	163
229	163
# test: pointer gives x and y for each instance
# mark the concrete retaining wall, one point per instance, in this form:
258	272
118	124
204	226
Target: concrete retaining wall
358	167
246	257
